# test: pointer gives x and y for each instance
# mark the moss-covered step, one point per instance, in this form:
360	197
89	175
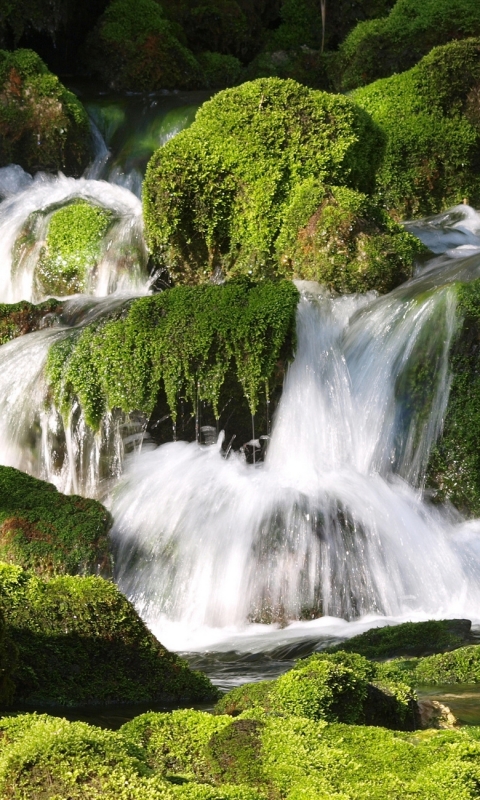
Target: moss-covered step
49	532
430	116
17	319
134	47
43	126
395	42
80	641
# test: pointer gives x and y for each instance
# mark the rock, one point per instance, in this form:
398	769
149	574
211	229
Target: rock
17	319
436	715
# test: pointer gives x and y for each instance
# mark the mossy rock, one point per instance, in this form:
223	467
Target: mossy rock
183	342
17	319
457	666
336	687
430	116
303	64
341	238
220	71
408	639
43	126
72	249
394	43
134	47
80	641
49	532
216	195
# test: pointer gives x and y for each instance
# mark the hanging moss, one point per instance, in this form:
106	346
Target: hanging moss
184	339
394	43
215	196
432	124
42	125
46	531
17	319
72	249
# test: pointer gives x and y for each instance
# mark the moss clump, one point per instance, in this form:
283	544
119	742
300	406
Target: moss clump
303	64
46	531
215	196
459	666
42	125
432	124
220	71
80	641
134	47
72	250
394	43
409	638
341	238
17	319
184	339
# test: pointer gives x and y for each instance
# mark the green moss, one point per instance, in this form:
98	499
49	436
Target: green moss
215	196
243	698
80	641
220	70
303	64
72	249
409	638
17	319
46	531
42	125
458	666
134	47
340	238
429	117
394	43
184	339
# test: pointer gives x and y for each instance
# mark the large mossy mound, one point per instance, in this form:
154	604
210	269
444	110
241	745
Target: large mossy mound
43	126
336	687
183	341
431	118
80	641
394	43
454	468
134	47
409	638
49	532
17	319
72	250
215	196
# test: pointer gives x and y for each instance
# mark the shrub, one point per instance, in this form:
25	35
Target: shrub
42	125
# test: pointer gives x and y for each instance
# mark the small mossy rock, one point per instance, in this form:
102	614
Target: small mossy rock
454	468
17	319
303	64
341	238
80	641
134	47
243	698
431	121
72	249
394	43
408	639
43	126
220	71
215	196
49	532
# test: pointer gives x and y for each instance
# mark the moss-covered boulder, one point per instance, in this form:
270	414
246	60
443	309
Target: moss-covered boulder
409	639
134	47
431	119
49	532
80	641
72	250
341	238
394	43
184	342
220	71
43	126
216	195
304	64
17	319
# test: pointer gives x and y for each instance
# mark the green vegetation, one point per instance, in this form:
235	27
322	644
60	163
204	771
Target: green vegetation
72	250
17	319
454	468
49	532
380	47
42	125
431	121
409	638
216	195
457	666
80	641
134	47
184	339
220	71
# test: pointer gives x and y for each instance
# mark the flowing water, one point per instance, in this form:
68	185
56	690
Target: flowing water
251	565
